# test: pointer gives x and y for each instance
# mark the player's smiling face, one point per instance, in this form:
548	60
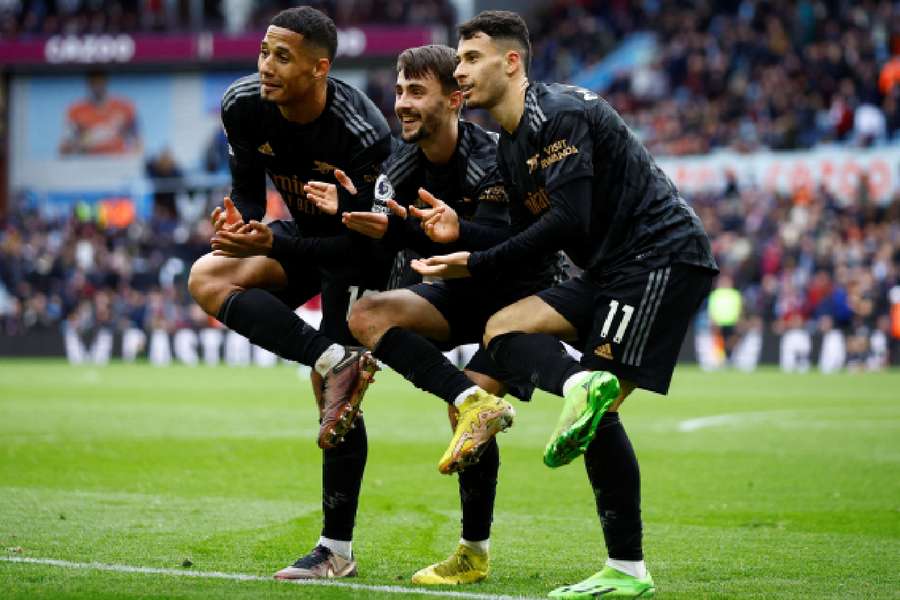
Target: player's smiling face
421	106
480	71
286	66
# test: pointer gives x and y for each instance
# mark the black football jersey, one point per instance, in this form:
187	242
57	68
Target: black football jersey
629	216
469	182
350	134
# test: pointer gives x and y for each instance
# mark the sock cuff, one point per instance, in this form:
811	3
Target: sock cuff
330	357
343	548
479	546
497	340
609	418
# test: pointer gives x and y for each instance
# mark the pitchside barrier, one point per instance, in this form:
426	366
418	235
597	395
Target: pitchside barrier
795	350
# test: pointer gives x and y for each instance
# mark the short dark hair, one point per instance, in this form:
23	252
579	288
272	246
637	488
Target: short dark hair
316	27
436	59
500	25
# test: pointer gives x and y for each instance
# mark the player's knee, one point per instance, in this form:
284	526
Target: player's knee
206	285
198	279
368	320
497	325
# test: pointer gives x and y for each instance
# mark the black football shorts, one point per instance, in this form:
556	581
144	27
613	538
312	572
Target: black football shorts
634	325
339	290
467	304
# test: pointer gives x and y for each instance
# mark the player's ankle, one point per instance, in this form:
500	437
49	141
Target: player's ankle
326	361
635	568
573	380
462	396
481	547
342	548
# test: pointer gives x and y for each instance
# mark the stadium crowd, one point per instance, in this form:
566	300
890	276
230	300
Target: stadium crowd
741	74
22	18
75	270
806	259
738	74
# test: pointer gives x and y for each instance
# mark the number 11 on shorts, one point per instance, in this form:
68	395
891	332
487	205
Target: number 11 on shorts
627	311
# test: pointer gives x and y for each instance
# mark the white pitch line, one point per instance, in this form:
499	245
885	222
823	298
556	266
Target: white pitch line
737	419
690	425
387	589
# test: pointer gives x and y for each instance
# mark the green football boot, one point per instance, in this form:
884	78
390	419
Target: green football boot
608	583
584	405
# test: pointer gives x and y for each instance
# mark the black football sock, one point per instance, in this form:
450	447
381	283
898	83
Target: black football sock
342	474
613	471
421	363
538	356
268	322
477	489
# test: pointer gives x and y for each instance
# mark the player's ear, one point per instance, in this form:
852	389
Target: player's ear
513	61
321	67
455	101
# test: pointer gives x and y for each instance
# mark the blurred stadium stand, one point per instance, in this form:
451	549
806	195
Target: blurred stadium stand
780	121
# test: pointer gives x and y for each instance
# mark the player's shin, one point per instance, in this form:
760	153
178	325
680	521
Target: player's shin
477	490
268	322
342	474
613	471
421	363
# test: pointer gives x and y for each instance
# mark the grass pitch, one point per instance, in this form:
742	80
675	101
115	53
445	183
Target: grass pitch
759	485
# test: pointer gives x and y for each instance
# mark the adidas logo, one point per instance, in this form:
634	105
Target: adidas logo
604	351
266	149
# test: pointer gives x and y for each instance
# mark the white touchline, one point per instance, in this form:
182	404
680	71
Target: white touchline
741	419
387	589
690	425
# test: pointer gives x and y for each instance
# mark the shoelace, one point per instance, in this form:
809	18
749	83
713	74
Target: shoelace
318	555
350	355
458	563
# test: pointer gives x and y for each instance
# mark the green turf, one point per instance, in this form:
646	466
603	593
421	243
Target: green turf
794	493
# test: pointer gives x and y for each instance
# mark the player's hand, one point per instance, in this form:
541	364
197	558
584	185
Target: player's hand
396	208
372	224
325	195
228	218
252	239
367	223
440	222
448	266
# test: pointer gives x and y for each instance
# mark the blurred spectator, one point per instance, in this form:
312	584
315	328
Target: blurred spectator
869	125
216	157
166	176
725	305
100	123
